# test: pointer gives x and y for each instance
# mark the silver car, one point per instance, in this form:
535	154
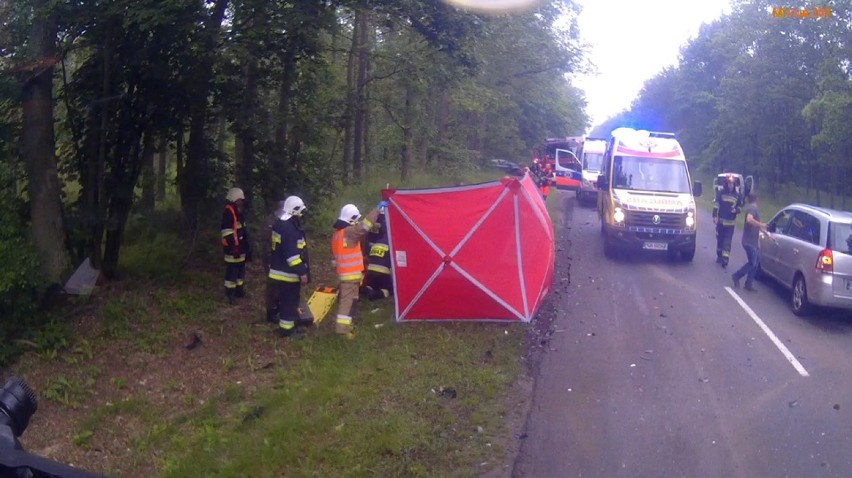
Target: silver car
809	251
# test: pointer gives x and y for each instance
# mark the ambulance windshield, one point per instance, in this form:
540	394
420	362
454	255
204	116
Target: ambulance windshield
592	161
650	174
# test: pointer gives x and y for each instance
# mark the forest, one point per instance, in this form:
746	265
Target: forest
123	124
114	112
763	94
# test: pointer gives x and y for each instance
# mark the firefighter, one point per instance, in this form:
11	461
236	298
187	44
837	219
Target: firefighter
348	260
725	210
235	244
288	267
378	282
541	175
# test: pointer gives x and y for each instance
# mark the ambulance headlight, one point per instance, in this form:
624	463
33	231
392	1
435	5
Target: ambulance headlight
690	219
618	216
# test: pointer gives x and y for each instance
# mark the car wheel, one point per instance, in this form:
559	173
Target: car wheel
799	296
609	248
688	254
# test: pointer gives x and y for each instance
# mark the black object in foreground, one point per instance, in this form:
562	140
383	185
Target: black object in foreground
17	405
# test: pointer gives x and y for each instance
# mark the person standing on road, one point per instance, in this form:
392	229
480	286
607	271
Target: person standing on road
725	211
288	267
752	228
347	257
235	244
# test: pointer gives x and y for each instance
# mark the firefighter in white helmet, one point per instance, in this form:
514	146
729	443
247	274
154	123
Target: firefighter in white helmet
235	244
348	259
288	267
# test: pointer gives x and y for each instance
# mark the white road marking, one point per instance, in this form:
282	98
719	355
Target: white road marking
784	350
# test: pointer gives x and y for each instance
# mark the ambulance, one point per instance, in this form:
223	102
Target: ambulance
561	154
591	154
646	197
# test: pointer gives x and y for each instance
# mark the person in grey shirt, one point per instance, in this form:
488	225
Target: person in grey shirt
751	230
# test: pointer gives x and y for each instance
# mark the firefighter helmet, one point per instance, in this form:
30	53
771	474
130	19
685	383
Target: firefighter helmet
235	194
293	206
349	213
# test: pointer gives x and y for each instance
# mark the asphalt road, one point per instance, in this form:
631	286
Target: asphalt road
656	368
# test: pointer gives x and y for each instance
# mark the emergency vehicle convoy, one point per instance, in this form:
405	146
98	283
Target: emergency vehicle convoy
646	197
591	155
561	155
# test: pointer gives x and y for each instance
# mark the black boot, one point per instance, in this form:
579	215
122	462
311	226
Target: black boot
229	294
240	291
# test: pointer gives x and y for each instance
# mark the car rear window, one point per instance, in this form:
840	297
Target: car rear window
805	227
840	235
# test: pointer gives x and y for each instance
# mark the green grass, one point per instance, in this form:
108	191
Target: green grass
402	400
368	407
378	405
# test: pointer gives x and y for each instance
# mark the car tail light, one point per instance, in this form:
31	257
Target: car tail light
825	261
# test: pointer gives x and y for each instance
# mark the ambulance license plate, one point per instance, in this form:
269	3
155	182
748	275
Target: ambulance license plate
656	246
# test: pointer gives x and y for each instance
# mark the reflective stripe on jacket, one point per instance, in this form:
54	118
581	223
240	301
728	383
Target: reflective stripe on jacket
288	259
349	262
379	259
234	242
726	208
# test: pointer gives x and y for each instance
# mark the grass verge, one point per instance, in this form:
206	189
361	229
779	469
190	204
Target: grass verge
128	397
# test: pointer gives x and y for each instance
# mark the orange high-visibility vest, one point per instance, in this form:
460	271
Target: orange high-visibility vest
349	260
237	225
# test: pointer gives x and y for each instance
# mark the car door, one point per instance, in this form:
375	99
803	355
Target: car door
803	248
770	245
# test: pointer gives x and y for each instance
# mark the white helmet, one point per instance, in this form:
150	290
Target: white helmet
234	194
349	213
293	206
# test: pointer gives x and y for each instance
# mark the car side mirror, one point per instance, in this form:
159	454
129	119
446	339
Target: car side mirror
770	227
696	188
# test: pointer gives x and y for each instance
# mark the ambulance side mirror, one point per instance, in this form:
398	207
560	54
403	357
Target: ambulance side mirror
696	188
602	182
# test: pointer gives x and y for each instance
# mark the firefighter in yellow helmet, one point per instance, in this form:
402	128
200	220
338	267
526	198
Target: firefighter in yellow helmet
288	267
348	259
235	244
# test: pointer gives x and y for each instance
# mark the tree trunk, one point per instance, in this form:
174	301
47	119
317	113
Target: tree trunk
362	20
244	126
220	134
195	182
348	113
93	181
408	119
279	156
148	178
127	167
161	171
37	146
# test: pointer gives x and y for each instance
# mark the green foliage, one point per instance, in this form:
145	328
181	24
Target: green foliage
21	286
761	95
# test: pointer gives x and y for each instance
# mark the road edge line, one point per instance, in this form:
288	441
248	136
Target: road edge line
783	348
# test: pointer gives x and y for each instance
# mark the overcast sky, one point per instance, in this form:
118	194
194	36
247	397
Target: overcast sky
633	40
